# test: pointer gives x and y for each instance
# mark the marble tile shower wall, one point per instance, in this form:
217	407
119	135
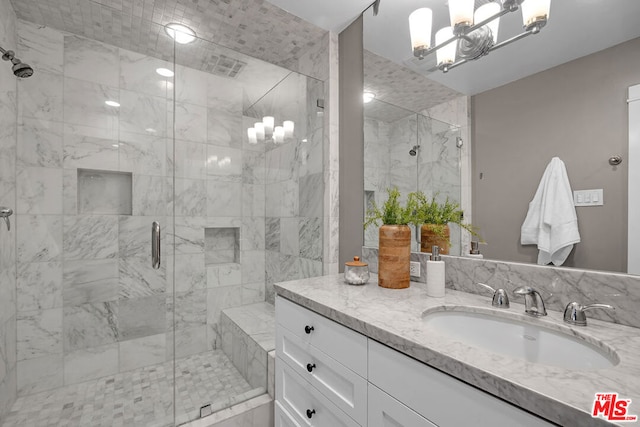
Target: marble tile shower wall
89	304
8	131
388	163
295	183
439	165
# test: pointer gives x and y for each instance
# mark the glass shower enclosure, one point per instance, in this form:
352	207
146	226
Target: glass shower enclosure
110	141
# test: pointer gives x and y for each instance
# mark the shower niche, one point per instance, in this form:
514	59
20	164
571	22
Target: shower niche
104	192
222	245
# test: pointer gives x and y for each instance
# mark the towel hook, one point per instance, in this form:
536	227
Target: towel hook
615	160
6	213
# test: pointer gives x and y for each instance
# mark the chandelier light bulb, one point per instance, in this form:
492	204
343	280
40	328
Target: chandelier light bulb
288	126
486	11
447	53
278	134
535	13
268	122
461	12
420	22
259	127
251	133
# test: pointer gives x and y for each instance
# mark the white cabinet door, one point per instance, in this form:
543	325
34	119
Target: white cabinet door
385	411
444	400
342	386
305	403
283	418
339	342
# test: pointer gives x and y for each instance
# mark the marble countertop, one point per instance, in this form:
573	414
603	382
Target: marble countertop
394	317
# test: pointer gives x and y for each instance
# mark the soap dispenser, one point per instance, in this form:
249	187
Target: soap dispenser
435	274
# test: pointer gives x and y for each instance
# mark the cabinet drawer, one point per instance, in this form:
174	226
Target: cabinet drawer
339	342
305	403
444	400
346	389
283	418
385	411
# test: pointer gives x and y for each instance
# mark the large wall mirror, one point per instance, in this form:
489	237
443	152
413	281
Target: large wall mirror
561	93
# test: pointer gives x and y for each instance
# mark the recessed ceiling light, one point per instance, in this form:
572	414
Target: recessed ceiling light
165	72
180	33
112	103
368	97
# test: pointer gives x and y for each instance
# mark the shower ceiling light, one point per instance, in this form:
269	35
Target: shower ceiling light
180	33
472	36
112	103
165	72
368	97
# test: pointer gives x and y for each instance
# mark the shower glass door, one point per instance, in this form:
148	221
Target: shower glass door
94	329
247	212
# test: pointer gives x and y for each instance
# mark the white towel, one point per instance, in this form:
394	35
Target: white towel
551	221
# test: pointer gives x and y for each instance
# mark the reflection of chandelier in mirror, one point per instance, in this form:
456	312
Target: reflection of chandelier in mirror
265	131
472	34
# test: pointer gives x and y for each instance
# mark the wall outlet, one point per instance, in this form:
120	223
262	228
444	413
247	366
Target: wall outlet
414	269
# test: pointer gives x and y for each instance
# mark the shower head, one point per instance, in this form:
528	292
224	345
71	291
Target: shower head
20	69
414	150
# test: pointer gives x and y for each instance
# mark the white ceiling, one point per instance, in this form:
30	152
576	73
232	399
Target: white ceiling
576	28
332	15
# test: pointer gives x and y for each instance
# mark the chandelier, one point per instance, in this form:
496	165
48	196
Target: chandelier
472	35
265	131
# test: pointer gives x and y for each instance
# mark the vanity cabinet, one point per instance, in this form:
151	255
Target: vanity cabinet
321	369
330	375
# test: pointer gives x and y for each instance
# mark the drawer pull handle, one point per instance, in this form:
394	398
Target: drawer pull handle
310	413
308	329
310	367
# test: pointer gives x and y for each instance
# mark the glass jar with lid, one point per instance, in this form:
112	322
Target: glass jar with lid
356	272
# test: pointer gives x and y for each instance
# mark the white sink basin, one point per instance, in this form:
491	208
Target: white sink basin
520	339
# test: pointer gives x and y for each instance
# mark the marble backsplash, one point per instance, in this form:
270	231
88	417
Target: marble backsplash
557	285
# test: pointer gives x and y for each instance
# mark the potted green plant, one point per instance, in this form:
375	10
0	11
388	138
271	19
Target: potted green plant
434	218
394	247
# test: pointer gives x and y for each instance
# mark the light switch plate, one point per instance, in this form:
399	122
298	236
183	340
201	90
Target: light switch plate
588	197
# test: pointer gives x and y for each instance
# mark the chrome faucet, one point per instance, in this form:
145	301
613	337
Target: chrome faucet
574	312
533	303
500	297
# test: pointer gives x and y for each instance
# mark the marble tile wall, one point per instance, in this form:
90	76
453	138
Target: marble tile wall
388	163
8	148
435	168
457	112
87	295
295	183
557	285
321	62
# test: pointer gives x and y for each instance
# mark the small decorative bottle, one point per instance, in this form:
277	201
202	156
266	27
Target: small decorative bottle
435	274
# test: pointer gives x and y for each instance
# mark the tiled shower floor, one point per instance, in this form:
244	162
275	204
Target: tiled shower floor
138	398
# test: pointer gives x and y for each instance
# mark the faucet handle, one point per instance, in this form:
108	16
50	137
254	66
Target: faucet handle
574	312
533	302
500	297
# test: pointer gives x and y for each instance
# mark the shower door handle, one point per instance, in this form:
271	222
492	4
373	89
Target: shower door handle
155	245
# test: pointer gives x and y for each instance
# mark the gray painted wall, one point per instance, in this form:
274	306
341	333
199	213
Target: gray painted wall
351	143
576	111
